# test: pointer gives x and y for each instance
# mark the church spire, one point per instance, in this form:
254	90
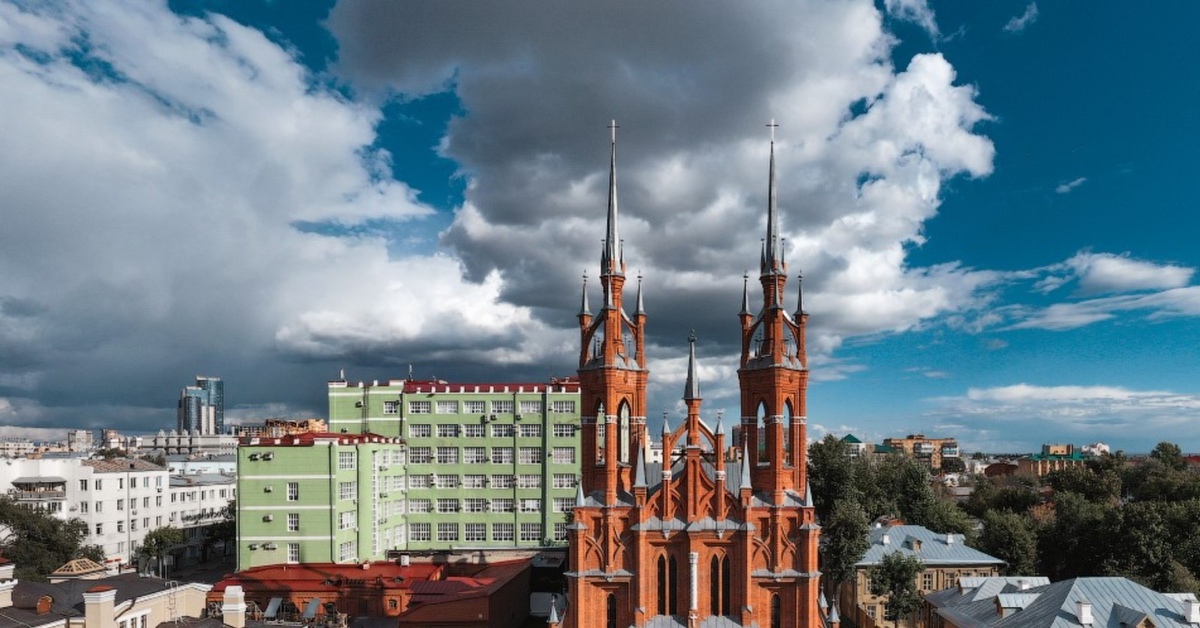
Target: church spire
771	259
745	295
584	308
799	296
691	389
641	308
612	261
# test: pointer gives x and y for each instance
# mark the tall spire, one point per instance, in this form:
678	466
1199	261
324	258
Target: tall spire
584	308
745	295
611	260
641	309
691	389
771	258
799	295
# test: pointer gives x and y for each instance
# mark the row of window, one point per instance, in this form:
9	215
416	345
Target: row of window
499	406
133	525
98	483
85	507
477	532
481	455
479	430
349	490
481	505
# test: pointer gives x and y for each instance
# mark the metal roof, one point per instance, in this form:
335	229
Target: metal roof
930	547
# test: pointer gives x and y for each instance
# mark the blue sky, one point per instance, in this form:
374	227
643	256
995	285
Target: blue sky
992	203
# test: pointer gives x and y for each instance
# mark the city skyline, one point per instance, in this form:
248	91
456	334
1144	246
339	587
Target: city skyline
988	202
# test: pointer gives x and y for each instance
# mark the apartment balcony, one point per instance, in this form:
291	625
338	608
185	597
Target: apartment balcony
37	496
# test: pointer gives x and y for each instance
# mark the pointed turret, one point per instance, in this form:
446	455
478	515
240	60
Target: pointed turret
641	308
771	259
639	479
579	501
745	485
745	295
799	296
611	259
584	308
691	390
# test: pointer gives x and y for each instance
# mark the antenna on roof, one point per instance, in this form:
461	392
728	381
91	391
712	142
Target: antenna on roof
410	371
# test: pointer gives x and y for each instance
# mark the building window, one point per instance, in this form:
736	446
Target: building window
531	455
503	430
502	531
474	407
447	455
564	480
502	504
475	455
420	505
610	611
529	480
531	532
347	490
83	507
503	481
346	520
447	481
475	504
564	504
121	526
502	406
502	455
447	407
133	525
475	481
447	430
391	407
83	485
419	481
346	461
420	532
420	407
447	532
530	504
100	505
927	581
293	522
563	455
397	483
347	551
472	430
293	552
397	456
474	532
564	430
560	532
421	455
776	611
531	430
120	504
562	407
445	505
99	483
99	529
420	430
531	407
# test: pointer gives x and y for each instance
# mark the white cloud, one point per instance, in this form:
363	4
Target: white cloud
916	11
1105	272
1067	186
1020	22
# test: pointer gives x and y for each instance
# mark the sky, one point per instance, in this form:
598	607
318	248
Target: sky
992	204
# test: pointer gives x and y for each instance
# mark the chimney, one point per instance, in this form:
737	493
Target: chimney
1192	611
1083	611
885	540
1022	585
98	607
7	582
949	538
233	607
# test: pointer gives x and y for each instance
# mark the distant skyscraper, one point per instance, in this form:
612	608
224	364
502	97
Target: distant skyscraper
202	407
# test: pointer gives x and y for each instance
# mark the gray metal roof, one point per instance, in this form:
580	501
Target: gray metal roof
930	547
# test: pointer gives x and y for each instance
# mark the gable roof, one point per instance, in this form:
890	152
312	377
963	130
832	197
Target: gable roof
932	548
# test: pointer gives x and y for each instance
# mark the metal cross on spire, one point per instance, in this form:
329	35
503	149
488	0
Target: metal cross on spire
772	126
613	127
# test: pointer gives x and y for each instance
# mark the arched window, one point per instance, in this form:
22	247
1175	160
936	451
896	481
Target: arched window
662	585
776	612
623	433
762	432
612	611
787	433
672	586
714	586
725	586
601	427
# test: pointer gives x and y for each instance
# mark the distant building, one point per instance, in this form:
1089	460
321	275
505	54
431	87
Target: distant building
857	447
946	557
1032	602
1054	457
202	407
16	447
930	451
280	427
191	443
81	440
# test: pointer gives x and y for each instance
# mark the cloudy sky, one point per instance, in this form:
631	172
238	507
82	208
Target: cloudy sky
990	202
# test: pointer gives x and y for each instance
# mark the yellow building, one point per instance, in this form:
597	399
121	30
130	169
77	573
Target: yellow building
931	451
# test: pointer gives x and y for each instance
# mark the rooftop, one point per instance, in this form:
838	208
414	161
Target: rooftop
410	386
932	548
121	465
308	439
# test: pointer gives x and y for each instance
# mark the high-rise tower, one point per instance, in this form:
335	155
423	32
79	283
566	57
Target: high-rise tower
692	542
201	408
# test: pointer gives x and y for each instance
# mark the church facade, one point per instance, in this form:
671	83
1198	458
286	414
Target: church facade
718	533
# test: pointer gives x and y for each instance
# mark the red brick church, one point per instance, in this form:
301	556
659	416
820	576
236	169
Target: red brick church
698	540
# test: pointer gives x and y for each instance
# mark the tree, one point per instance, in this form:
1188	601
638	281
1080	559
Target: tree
830	473
39	542
1104	486
953	465
224	531
944	516
896	577
158	541
1170	455
1077	540
1011	538
845	537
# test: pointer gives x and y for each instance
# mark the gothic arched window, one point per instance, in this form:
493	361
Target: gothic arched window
776	612
601	429
623	433
672	586
761	434
612	611
787	433
662	585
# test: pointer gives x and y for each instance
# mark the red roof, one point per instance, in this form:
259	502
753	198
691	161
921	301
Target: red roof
311	577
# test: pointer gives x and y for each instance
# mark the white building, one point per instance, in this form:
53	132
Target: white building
120	499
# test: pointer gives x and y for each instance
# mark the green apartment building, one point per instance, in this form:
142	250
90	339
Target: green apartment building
489	466
319	497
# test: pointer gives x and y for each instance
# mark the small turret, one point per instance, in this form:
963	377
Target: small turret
691	390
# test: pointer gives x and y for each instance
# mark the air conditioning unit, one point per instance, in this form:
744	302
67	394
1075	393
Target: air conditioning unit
269	546
383	494
268	517
269	456
268	489
253	546
254	456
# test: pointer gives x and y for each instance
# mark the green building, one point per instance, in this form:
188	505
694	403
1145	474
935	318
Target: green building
319	497
489	466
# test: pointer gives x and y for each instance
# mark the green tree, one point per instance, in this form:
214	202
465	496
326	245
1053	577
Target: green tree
1011	538
1170	455
1104	486
945	516
830	473
158	541
845	537
953	465
224	531
1077	541
896	577
39	543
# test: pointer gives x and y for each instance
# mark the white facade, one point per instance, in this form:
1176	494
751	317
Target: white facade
120	500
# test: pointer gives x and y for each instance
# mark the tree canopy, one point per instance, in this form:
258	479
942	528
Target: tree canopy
39	542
